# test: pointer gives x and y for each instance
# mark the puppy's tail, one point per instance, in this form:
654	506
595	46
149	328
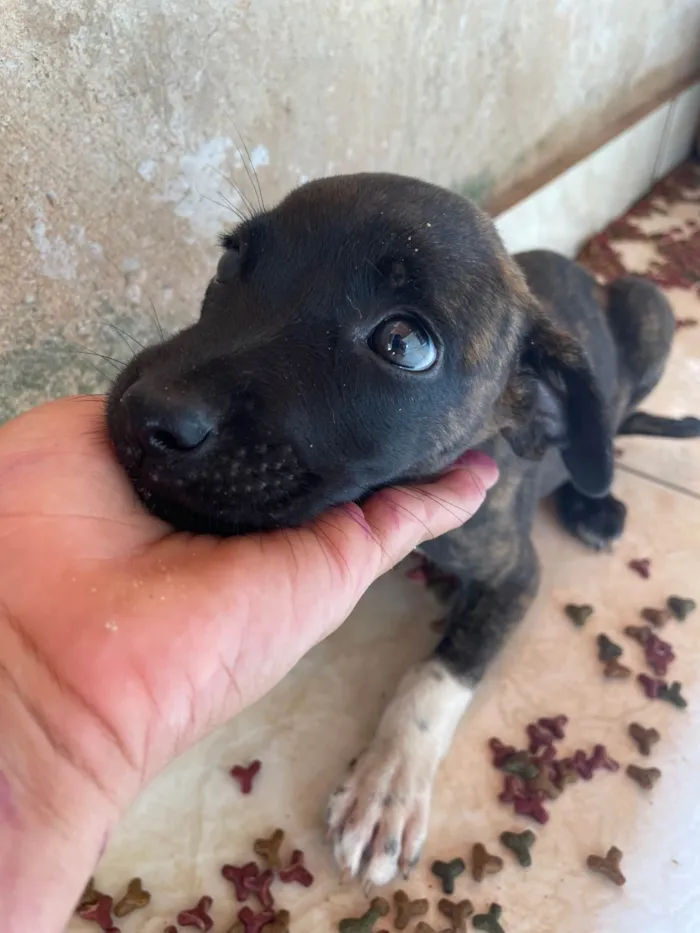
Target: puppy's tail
639	422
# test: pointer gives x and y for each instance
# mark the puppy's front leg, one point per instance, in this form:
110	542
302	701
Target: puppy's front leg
378	817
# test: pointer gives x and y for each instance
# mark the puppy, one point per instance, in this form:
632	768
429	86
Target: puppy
367	331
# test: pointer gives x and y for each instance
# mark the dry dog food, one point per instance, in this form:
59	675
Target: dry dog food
608	865
99	912
656	617
89	896
134	899
246	776
197	916
483	863
489	922
672	694
644	739
650	685
457	914
251	922
645	777
613	670
269	849
407	910
520	844
240	876
296	872
579	615
681	607
260	885
365	924
448	872
607	650
641	567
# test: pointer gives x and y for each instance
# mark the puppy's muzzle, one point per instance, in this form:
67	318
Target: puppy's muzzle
198	469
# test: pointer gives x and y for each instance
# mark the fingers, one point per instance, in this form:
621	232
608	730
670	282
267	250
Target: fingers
398	519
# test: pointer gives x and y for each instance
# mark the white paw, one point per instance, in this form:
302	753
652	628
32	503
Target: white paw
378	817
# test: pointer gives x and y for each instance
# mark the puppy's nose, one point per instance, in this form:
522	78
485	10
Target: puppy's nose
162	420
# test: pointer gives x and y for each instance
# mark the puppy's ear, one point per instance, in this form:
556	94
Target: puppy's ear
553	400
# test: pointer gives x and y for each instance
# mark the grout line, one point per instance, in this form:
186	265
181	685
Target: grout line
666	484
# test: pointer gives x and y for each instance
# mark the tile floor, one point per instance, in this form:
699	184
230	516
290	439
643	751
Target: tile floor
192	819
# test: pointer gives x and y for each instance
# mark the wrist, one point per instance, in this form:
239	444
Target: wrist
56	809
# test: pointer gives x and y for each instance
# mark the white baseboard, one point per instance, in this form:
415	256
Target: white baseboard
564	213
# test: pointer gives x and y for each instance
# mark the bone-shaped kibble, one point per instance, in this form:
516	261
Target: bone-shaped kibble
457	914
672	694
240	876
296	872
447	872
407	910
260	886
269	849
520	844
680	607
579	615
554	725
483	863
656	617
544	783
500	752
197	916
246	776
89	896
607	649
490	921
365	924
539	738
99	912
609	866
651	685
644	739
659	654
280	924
134	899
645	777
641	567
250	922
522	765
639	633
613	670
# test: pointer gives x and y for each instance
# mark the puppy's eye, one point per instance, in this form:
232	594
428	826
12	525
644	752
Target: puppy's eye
229	266
403	342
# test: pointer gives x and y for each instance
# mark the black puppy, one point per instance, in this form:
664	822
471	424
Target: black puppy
368	331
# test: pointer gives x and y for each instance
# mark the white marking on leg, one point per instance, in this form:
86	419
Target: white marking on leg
378	817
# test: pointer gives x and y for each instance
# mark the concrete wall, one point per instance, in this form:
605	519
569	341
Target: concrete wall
118	121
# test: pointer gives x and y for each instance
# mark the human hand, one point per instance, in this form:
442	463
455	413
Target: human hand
123	641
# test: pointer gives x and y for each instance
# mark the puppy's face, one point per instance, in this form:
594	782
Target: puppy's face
357	335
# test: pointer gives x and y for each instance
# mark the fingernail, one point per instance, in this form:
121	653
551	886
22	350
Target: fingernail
475	459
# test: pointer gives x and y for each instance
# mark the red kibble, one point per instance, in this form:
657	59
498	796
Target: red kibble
651	685
659	654
539	738
99	912
601	760
197	916
500	753
246	776
531	805
513	787
296	872
642	567
554	724
240	876
170	929
260	886
252	922
580	764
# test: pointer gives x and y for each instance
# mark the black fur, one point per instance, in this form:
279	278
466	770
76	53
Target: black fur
276	405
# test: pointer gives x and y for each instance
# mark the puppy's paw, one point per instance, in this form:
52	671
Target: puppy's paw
598	523
378	817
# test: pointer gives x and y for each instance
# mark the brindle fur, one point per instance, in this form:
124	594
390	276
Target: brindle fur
539	366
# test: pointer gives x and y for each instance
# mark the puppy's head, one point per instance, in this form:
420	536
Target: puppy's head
367	330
